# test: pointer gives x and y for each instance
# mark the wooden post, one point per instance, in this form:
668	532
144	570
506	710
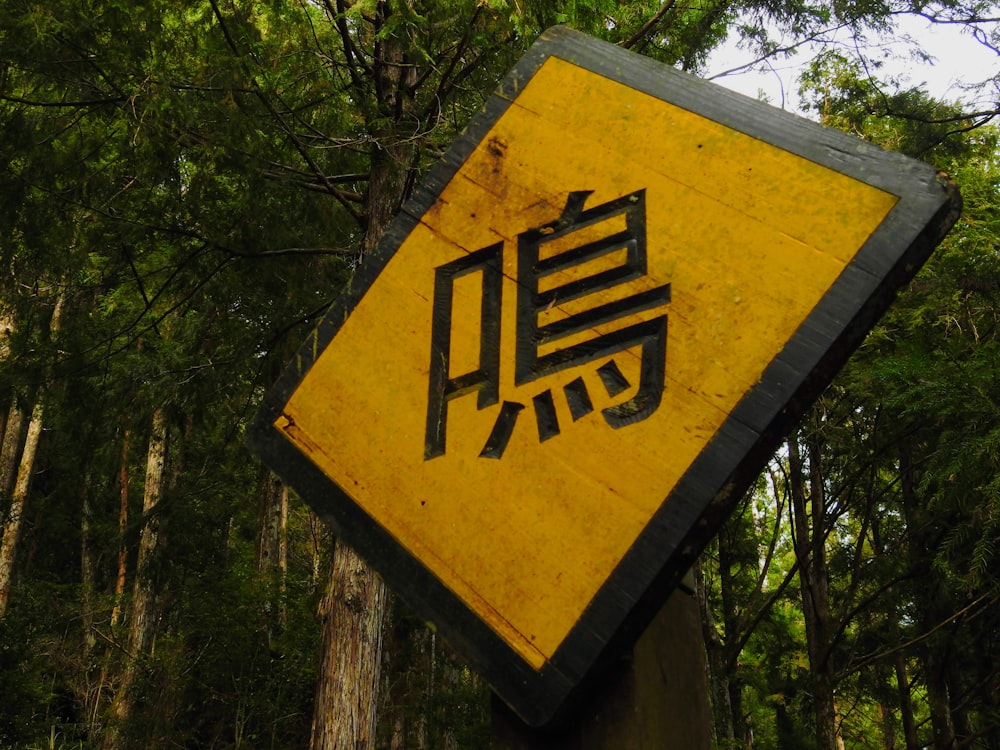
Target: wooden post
657	699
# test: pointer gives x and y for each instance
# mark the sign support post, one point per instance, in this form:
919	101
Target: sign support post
655	698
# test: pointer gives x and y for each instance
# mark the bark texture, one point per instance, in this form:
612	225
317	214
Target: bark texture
905	702
355	605
25	470
13	438
353	611
808	512
88	571
272	517
12	528
143	606
122	567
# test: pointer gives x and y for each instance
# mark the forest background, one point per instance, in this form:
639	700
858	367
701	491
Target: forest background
186	187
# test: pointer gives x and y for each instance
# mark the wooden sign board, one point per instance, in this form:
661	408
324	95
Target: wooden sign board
579	343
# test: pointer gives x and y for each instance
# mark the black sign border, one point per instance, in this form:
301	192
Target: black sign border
928	205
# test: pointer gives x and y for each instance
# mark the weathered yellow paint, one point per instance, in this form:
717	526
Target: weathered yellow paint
750	238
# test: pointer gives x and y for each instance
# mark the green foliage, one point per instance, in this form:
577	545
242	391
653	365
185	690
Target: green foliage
840	91
38	668
904	448
230	674
193	179
936	372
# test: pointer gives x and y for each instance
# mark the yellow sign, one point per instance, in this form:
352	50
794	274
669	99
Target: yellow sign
562	331
607	276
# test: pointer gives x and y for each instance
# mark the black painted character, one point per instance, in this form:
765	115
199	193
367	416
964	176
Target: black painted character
542	252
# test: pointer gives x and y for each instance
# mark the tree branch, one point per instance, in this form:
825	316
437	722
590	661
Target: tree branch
296	142
71	104
648	26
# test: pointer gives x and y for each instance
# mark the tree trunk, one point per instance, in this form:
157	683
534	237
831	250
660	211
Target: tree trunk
25	469
5	412
122	567
454	680
961	719
810	551
272	515
408	677
888	720
88	575
732	628
720	684
272	544
935	670
13	439
346	696
990	667
102	684
95	684
12	529
353	610
317	533
905	703
934	604
143	607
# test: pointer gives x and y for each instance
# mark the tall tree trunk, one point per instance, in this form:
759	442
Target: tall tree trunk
88	575
905	702
961	719
731	625
887	722
934	604
409	680
12	528
96	685
25	469
272	519
10	450
5	412
935	670
272	543
102	684
317	556
346	696
989	668
122	567
719	682
143	607
353	610
810	550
